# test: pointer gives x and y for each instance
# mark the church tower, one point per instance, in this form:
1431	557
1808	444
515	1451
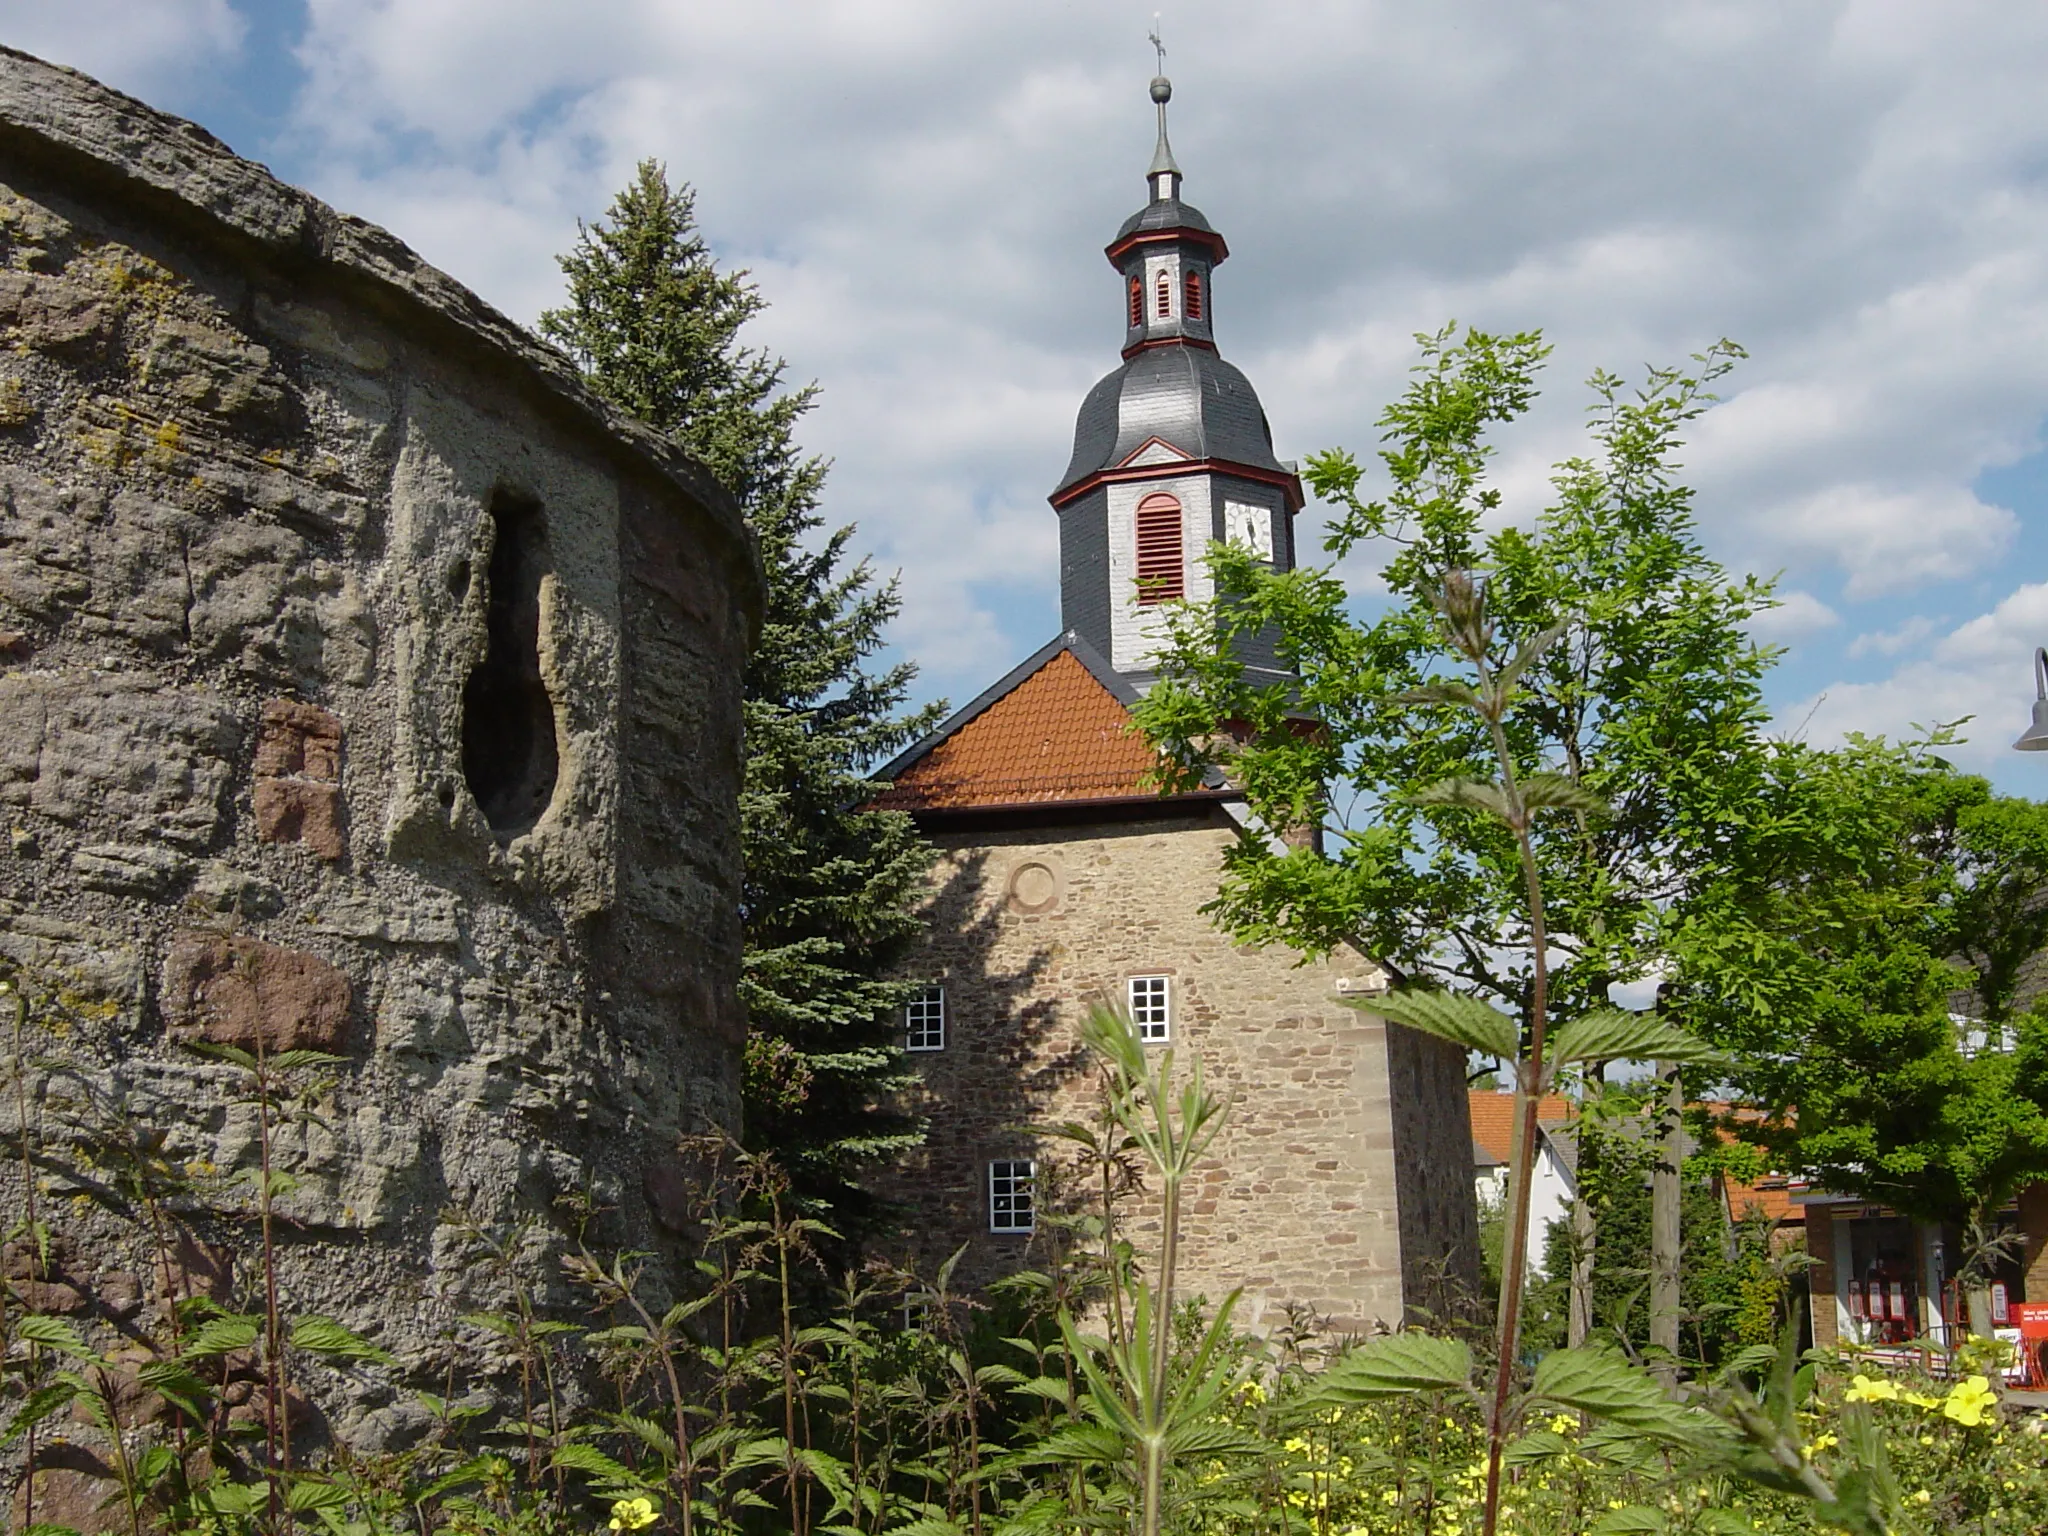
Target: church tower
1172	450
1344	1179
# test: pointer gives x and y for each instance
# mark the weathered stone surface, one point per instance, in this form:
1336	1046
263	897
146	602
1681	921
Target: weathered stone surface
71	1486
93	975
220	887
193	1269
258	521
1304	1199
148	761
395	919
144	869
243	992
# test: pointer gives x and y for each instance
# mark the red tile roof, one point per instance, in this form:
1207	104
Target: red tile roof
1493	1119
1058	735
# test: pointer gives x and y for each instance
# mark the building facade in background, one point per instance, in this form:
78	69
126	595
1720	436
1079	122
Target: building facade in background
1343	1181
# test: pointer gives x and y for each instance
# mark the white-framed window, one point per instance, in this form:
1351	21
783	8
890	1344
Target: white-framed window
1012	1188
1151	1007
924	1020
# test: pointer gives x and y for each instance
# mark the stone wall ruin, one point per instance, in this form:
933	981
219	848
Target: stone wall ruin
365	686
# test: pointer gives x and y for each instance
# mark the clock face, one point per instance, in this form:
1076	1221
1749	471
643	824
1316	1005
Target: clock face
1250	526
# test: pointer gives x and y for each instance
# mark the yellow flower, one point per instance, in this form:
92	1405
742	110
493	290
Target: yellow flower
632	1514
1967	1400
1862	1389
1923	1497
1562	1423
1922	1400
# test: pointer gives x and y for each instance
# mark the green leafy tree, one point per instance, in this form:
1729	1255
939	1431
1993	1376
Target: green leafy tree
832	889
1649	700
1868	890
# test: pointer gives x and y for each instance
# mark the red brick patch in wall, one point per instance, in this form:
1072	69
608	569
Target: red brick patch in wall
235	990
298	777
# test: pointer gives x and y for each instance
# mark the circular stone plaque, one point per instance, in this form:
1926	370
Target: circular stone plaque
1034	887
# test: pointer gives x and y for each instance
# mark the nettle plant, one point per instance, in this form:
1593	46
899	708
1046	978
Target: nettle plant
1720	1426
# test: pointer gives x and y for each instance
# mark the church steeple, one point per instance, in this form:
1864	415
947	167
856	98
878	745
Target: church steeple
1166	252
1171	451
1164	174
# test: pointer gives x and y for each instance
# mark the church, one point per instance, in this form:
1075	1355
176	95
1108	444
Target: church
1342	1183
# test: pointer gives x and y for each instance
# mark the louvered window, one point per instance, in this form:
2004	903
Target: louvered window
1193	305
1159	563
1163	289
1137	302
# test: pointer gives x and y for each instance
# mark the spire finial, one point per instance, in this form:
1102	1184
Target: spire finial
1164	175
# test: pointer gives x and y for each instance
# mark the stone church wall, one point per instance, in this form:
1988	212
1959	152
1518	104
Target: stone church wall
364	686
1343	1181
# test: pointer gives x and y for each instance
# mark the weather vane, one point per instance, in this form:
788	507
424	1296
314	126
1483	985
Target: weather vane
1158	43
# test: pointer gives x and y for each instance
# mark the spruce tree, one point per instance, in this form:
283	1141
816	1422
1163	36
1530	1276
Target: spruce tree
831	889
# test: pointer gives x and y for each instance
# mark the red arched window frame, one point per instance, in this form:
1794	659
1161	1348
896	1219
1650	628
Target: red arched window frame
1192	307
1161	575
1137	300
1163	291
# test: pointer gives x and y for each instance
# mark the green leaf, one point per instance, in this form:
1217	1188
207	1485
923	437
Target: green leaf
1537	1445
52	1333
1395	1366
1596	1379
1555	792
1463	1021
589	1460
1611	1034
38	1406
1476	793
222	1336
1634	1518
1528	653
1460	694
324	1336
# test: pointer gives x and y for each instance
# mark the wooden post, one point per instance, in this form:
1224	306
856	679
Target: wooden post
1665	1237
1585	1227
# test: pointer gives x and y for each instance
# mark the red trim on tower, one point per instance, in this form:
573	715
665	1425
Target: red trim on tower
1291	484
1180	457
1219	252
1168	341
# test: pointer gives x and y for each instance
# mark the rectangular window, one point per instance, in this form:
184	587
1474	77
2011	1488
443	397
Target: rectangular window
1149	1011
1010	1195
924	1020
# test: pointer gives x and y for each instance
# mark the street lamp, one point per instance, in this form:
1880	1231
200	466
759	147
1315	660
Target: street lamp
2035	738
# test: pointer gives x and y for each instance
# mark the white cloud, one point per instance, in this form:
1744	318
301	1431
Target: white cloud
142	48
923	190
1889	642
1981	669
1796	615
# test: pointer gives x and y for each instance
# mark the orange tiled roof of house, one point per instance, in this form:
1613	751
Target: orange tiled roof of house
1493	1119
1772	1193
1059	734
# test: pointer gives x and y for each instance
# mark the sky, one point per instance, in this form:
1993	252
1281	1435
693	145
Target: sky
1855	192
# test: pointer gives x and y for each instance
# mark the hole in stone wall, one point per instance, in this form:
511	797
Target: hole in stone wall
508	721
458	580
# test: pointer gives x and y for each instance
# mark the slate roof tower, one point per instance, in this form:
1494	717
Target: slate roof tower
1065	879
1171	450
